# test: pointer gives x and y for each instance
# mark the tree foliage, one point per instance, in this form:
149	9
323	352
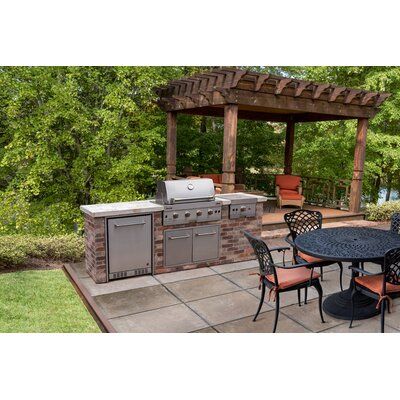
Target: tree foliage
78	135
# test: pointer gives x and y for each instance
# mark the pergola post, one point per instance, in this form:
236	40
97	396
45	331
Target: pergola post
171	145
229	156
289	147
358	170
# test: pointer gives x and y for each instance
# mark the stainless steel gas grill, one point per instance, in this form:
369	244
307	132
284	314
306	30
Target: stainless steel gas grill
188	200
241	206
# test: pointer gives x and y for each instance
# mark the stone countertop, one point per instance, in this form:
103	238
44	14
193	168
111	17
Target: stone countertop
147	206
123	208
260	199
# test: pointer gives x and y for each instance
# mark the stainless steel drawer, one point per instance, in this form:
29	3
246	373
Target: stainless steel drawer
205	243
129	246
178	247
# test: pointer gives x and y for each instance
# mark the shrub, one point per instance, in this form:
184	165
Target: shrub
16	250
382	212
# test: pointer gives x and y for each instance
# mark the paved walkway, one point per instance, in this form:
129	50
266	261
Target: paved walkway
218	299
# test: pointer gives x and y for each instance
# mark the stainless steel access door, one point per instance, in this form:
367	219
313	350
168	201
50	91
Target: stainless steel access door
129	246
178	247
206	243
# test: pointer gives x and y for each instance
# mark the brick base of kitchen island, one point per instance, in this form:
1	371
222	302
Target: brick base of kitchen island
234	247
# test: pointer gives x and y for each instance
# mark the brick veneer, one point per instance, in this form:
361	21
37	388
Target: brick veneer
95	248
234	246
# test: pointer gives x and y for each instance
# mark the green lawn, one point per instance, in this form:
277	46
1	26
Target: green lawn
42	301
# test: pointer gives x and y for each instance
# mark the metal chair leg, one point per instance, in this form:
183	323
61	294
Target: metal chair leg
276	311
261	301
383	307
318	286
298	297
322	273
305	294
352	307
341	275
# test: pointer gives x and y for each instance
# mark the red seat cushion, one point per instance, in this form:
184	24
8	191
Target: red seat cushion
216	178
309	258
292	277
290	194
374	283
290	182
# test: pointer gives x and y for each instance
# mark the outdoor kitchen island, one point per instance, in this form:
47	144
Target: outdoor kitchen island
146	237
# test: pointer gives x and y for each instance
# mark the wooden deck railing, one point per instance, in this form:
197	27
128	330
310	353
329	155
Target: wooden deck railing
331	193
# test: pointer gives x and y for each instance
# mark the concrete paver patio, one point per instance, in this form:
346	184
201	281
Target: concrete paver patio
223	298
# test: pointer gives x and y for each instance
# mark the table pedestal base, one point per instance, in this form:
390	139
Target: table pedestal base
338	305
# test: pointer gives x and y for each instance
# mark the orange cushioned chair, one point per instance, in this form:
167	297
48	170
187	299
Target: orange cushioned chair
378	286
217	179
288	190
281	278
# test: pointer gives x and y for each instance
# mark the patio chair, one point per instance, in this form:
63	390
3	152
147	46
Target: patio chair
302	221
288	190
394	228
378	286
281	278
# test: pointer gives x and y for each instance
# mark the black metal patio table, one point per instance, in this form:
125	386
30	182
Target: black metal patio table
353	245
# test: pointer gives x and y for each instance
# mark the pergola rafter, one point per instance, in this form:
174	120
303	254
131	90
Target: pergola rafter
240	94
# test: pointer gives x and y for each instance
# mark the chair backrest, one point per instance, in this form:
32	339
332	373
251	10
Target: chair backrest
288	182
217	178
395	223
263	255
302	221
392	266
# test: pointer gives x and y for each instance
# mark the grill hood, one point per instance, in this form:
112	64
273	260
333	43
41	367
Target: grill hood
185	191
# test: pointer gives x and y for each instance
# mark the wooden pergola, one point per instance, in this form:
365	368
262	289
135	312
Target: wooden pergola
235	93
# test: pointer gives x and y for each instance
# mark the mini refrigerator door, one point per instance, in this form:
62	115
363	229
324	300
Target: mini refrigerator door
130	246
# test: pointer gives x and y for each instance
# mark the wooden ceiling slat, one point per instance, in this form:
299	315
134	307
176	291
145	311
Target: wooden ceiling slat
367	97
282	84
260	81
301	87
230	85
336	92
319	89
351	95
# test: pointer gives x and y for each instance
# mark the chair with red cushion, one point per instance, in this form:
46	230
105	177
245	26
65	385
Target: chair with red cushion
302	221
378	286
288	190
281	278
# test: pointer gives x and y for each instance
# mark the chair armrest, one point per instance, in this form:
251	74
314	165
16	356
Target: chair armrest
294	266
363	271
279	249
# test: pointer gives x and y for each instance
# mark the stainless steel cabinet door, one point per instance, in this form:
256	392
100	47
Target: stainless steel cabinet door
129	243
177	247
206	243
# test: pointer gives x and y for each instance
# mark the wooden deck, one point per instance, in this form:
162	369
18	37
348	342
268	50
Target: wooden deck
274	220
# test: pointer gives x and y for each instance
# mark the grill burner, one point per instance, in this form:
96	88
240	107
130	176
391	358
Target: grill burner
188	200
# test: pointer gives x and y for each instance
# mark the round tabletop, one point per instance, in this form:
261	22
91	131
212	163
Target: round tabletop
347	244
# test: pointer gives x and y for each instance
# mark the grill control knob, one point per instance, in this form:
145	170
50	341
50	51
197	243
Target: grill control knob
187	214
175	215
199	213
209	212
243	208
